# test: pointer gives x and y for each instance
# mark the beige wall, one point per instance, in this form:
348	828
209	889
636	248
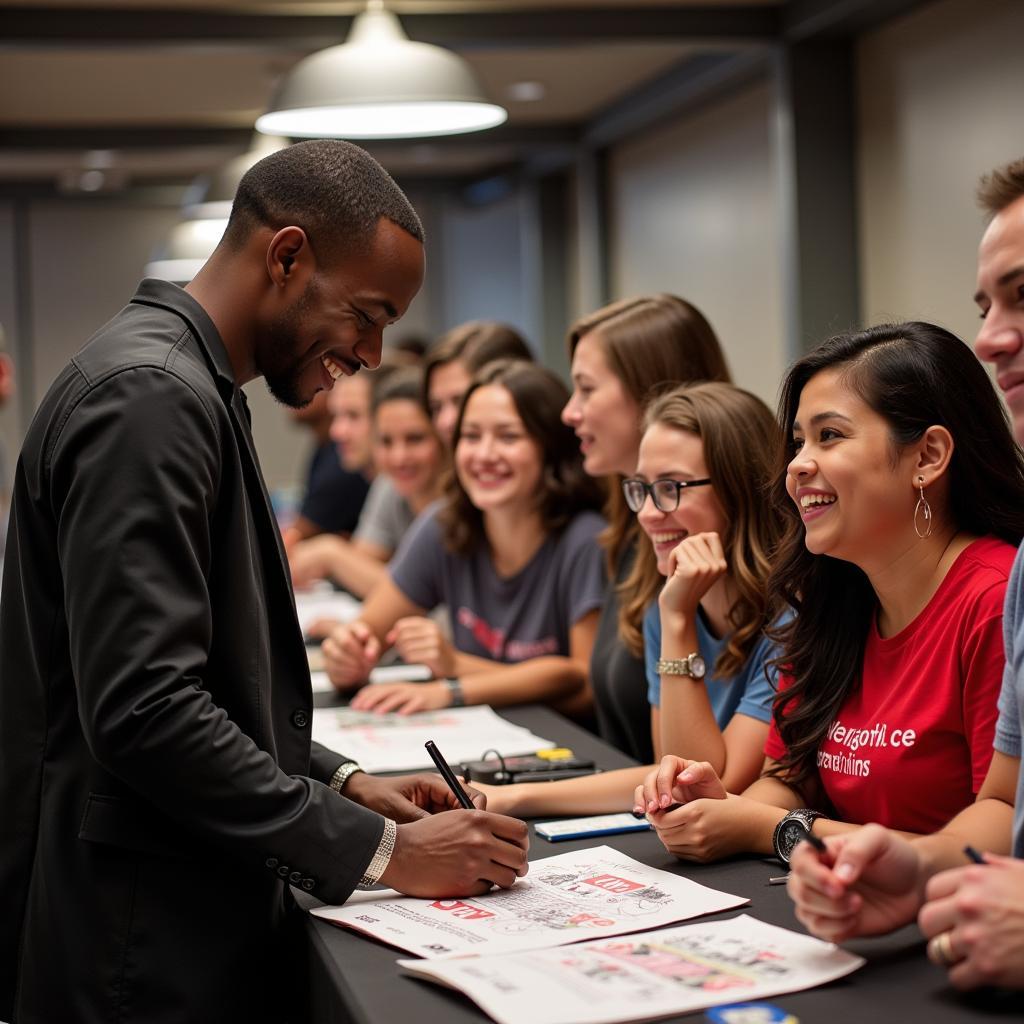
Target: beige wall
940	103
695	211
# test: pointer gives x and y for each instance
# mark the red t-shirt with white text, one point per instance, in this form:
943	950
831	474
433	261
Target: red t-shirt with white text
911	745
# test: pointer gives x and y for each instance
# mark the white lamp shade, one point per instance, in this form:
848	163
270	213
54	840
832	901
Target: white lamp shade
187	247
379	84
210	196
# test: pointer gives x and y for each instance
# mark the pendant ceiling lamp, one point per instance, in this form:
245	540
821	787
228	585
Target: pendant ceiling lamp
380	85
210	196
185	250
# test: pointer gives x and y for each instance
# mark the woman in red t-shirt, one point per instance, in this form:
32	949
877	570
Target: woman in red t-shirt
904	494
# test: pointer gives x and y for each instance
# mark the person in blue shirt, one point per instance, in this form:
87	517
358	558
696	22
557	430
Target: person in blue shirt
705	459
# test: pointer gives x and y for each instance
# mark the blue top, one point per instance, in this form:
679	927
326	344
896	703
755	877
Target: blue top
1010	723
749	692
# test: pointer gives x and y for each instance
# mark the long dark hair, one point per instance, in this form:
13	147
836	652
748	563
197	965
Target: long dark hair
915	375
539	397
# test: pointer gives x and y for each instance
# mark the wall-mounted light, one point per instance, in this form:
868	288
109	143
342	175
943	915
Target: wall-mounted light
380	85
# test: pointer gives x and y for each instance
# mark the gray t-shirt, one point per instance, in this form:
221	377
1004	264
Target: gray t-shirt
385	517
1010	723
524	616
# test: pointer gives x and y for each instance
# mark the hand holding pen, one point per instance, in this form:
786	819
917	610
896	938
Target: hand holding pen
446	773
452	853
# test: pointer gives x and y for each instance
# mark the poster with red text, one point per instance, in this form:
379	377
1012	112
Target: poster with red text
585	894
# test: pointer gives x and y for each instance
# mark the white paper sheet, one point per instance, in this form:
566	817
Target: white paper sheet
573	896
642	977
325	603
393	742
321	684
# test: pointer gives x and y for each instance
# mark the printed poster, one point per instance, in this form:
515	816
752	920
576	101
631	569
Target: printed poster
574	896
642	977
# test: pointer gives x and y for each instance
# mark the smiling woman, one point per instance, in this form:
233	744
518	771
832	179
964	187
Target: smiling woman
903	493
511	552
623	354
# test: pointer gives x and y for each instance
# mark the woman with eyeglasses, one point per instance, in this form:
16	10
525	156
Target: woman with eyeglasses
903	495
622	355
705	459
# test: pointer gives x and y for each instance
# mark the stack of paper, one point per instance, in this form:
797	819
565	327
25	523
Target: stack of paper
393	742
642	977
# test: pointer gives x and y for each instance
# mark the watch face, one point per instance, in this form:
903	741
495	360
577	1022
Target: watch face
789	835
697	666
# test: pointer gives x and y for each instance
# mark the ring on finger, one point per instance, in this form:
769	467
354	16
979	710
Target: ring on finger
940	950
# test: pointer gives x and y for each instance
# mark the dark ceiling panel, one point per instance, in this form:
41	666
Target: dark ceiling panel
555	26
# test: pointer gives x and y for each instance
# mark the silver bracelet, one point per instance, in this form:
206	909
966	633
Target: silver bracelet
343	774
382	858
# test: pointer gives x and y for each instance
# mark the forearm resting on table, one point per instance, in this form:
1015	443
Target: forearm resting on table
357	567
987	824
604	793
783	798
769	800
552	679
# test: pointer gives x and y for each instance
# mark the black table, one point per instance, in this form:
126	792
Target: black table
354	979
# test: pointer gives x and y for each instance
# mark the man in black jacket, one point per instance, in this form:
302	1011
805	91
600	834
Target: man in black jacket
158	792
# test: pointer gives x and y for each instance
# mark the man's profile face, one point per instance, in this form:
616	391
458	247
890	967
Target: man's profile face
1000	296
335	327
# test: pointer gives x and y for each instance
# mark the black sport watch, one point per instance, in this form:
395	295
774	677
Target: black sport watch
791	830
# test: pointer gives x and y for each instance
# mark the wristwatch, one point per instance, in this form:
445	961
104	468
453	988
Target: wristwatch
791	830
457	699
692	665
344	772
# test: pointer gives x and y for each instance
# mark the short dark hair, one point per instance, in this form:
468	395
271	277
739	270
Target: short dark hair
335	191
539	397
999	188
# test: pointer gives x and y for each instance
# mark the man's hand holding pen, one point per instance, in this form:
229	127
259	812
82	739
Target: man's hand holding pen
447	844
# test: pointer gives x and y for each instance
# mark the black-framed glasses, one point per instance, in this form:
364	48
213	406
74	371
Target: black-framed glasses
664	493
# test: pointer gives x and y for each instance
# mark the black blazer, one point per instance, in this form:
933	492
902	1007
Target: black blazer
157	790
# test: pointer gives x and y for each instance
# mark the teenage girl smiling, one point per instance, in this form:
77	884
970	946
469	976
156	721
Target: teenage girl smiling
903	491
510	551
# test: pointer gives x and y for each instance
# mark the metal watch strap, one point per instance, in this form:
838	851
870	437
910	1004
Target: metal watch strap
676	666
382	858
344	772
458	698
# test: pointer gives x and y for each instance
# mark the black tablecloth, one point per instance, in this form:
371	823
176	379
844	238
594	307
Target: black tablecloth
354	979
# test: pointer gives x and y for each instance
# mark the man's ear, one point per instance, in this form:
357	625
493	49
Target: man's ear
289	257
935	450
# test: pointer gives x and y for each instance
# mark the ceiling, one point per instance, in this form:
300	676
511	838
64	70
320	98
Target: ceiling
154	92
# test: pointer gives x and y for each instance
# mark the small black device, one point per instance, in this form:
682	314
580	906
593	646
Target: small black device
548	766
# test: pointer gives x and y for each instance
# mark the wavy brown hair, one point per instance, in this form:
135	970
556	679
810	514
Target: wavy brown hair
474	344
651	343
539	397
914	375
740	441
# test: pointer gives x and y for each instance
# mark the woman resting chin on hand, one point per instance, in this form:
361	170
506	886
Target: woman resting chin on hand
904	494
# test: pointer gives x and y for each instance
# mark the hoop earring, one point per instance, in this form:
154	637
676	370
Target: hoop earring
922	506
